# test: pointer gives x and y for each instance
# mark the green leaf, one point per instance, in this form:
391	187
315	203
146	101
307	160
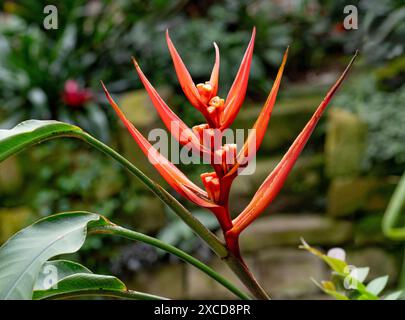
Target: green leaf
360	274
337	265
82	282
393	296
377	285
31	132
57	270
68	279
22	256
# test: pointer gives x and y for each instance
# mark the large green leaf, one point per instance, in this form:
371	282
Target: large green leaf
31	132
22	256
85	282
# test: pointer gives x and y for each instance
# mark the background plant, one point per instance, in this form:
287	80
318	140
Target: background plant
348	282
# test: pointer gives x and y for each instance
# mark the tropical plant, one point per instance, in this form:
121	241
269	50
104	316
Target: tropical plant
26	254
348	282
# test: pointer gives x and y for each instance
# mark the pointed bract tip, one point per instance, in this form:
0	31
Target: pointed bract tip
287	50
356	53
134	62
253	34
104	87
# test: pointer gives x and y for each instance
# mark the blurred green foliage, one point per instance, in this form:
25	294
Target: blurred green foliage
384	114
381	30
35	63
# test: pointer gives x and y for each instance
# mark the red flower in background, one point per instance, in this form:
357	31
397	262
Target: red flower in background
219	114
339	27
75	96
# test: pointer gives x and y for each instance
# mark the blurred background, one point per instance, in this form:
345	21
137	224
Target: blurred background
334	197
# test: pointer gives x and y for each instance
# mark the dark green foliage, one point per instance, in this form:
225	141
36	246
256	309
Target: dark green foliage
384	114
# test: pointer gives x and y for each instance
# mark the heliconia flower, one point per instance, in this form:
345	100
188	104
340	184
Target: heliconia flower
205	91
226	157
212	185
200	96
237	92
274	182
174	124
75	96
206	138
215	110
174	177
209	137
200	129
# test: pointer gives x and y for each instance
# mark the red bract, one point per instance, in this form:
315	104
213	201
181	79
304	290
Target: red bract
182	133
226	162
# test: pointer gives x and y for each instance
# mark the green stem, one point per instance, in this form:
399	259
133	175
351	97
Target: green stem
239	267
213	242
129	294
391	215
133	235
